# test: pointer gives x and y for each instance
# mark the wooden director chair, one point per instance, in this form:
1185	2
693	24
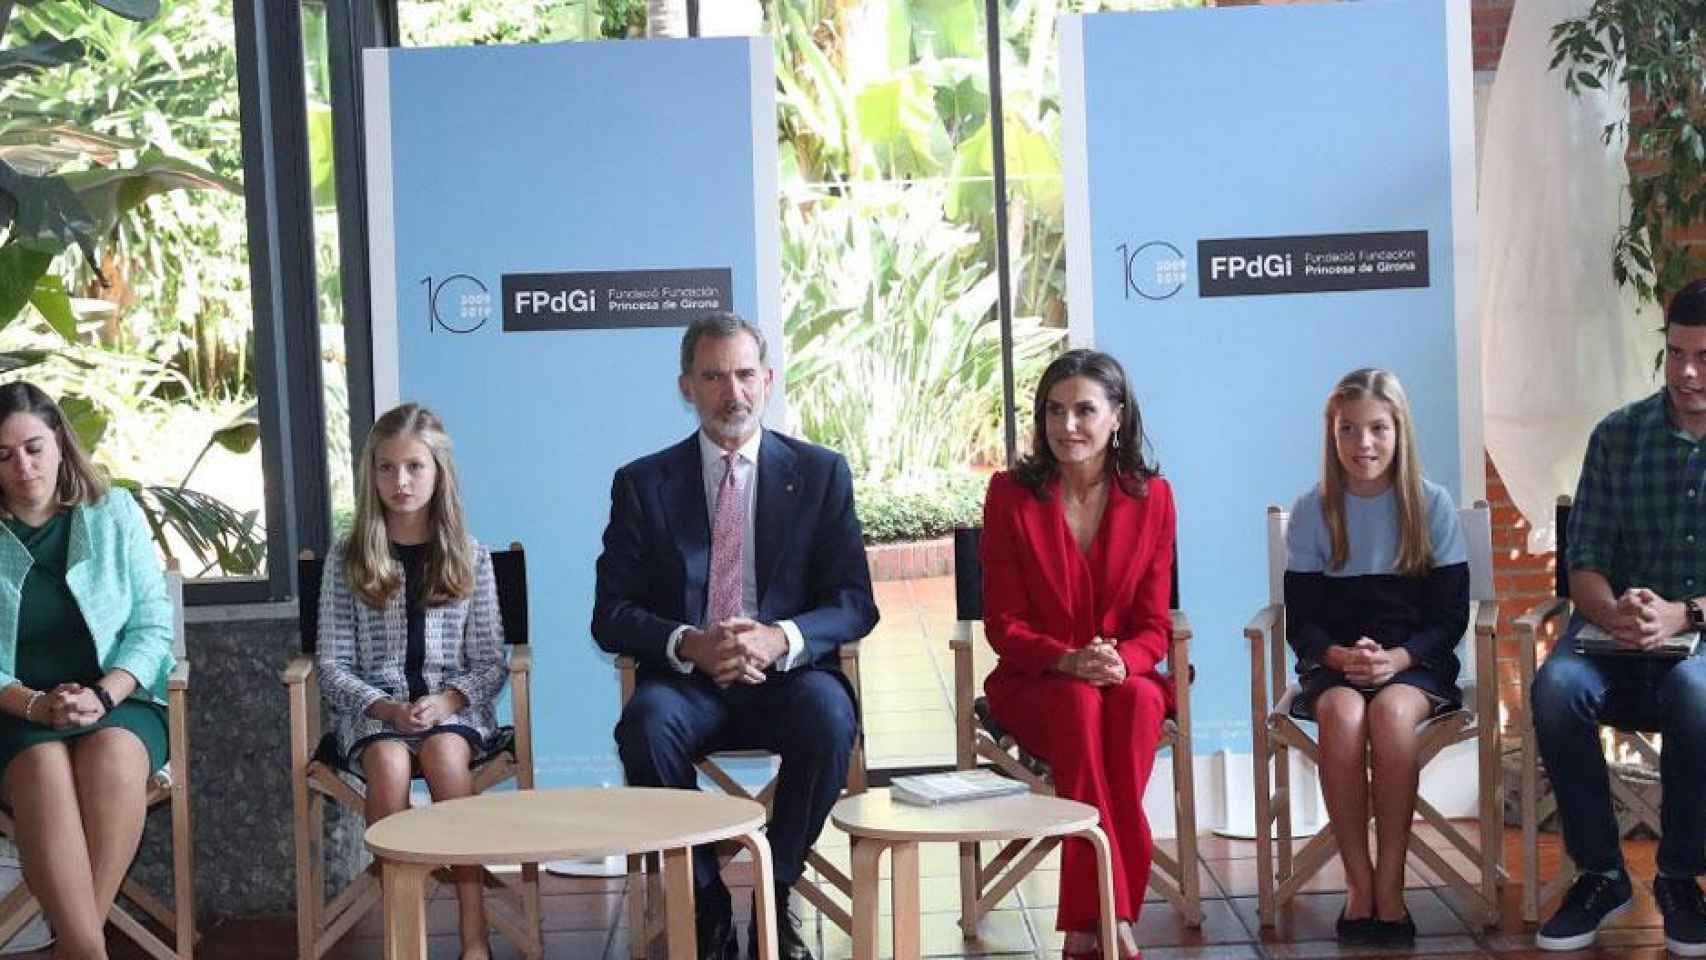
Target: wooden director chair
171	784
1174	875
1632	730
1277	733
645	892
317	774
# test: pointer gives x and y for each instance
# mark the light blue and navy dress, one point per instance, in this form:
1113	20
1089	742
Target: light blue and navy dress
1426	615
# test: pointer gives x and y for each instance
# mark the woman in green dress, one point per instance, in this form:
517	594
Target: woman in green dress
85	650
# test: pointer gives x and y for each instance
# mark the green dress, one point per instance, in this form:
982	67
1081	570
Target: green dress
55	647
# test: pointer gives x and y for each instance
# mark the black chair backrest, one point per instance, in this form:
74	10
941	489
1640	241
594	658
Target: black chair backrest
509	569
1561	569
308	573
968	575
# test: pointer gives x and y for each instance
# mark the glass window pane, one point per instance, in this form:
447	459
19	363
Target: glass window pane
334	358
149	344
889	301
456	23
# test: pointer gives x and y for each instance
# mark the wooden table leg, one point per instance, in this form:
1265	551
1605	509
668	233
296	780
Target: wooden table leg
1105	886
866	852
763	894
682	937
405	910
903	887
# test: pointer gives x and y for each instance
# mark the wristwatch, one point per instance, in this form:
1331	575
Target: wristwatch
1696	616
102	695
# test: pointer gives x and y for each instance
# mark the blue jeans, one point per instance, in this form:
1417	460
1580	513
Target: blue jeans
1573	695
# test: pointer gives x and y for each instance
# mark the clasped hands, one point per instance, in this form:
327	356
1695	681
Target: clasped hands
1642	619
1368	664
422	714
1098	664
736	650
68	707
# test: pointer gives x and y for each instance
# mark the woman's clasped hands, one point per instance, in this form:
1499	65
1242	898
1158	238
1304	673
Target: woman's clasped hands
1368	664
1098	664
68	706
425	713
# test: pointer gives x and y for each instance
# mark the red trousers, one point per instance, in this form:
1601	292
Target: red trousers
1100	744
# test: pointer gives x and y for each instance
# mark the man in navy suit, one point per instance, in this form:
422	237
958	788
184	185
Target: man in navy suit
732	570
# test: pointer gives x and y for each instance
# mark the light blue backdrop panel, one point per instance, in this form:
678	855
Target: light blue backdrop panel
1258	122
567	157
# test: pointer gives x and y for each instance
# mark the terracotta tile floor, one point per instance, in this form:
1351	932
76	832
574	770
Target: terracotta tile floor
908	684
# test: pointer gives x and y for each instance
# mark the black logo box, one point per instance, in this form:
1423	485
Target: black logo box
1313	263
614	299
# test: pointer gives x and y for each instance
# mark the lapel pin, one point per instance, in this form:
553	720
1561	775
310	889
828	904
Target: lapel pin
790	488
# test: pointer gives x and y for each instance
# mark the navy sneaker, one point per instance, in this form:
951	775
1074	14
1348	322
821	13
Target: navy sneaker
1593	899
1684	908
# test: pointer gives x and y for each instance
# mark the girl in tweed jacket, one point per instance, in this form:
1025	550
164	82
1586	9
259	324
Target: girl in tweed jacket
410	637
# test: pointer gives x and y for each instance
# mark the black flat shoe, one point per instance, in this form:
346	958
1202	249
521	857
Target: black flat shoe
1358	933
1394	933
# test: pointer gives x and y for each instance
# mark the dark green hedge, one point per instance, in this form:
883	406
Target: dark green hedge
920	509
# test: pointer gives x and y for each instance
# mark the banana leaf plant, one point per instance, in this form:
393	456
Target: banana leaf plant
61	186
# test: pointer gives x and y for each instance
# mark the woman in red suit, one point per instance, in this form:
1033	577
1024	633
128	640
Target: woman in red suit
1077	562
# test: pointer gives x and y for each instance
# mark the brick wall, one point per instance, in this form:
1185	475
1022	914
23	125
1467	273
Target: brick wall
1488	21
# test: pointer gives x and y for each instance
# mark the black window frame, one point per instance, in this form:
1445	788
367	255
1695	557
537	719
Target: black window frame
278	196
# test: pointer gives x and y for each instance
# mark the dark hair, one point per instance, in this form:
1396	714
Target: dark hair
1688	306
1125	462
718	323
79	481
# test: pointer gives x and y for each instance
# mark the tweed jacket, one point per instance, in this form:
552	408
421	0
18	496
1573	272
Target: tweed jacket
114	574
361	652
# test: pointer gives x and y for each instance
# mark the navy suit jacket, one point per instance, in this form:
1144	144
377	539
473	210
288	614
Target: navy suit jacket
809	555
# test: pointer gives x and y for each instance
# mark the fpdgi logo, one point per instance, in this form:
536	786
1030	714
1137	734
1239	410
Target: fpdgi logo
458	304
577	300
1255	267
1154	271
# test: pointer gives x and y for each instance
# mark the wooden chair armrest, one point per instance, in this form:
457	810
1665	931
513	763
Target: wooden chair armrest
849	655
626	675
179	678
959	638
520	659
1262	624
1181	625
1536	616
298	670
1487	618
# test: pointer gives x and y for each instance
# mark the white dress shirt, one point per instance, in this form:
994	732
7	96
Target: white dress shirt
712	466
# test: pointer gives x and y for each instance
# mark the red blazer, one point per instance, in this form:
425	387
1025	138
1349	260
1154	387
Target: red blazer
1043	597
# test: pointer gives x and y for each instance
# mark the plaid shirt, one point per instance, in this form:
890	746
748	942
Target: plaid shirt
1640	511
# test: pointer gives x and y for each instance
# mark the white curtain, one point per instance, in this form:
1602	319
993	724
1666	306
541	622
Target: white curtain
1563	344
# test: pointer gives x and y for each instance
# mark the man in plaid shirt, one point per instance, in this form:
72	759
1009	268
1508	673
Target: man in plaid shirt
1638	572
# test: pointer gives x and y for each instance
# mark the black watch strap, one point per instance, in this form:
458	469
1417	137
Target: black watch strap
1696	616
102	695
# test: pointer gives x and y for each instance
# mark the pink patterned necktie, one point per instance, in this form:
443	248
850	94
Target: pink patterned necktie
728	530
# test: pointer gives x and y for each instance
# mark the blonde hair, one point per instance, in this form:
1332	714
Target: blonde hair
1415	548
373	574
79	480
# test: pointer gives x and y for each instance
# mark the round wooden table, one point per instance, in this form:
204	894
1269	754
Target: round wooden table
876	823
529	826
